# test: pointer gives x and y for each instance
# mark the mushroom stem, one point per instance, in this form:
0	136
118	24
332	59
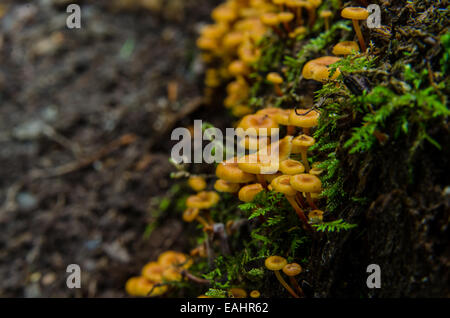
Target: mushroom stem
261	180
297	286
359	35
285	285
299	211
299	16
327	24
287	26
290	130
305	159
300	199
203	222
306	130
312	17
278	90
310	201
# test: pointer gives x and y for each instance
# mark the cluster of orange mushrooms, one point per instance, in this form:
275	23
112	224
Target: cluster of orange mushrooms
156	275
231	44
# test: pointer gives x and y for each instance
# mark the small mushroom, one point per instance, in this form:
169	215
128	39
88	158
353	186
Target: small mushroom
315	216
255	294
318	69
300	144
224	186
356	14
173	258
257	125
345	48
271	20
197	183
291	167
237	293
153	272
307	183
292	270
285	18
326	15
229	171
203	200
141	286
248	192
306	119
276	80
275	264
191	214
282	184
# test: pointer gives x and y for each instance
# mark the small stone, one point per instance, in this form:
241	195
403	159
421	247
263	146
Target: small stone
26	200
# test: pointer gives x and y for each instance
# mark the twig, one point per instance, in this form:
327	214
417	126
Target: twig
194	278
88	160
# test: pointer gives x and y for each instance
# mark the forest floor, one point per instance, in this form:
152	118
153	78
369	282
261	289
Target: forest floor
85	118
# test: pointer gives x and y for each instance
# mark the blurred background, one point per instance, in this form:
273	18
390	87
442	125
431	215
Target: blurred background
85	122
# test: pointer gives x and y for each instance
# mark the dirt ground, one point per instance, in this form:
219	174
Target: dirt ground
84	122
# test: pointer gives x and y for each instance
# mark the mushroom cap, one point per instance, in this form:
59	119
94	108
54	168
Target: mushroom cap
190	214
223	13
270	19
311	119
238	67
279	2
316	171
302	141
275	263
258	164
248	193
274	78
280	115
315	215
285	17
291	167
171	274
232	39
283	147
173	258
325	13
318	70
255	294
197	183
298	4
241	110
258	125
225	186
306	182
140	286
214	31
254	143
345	48
153	272
237	293
282	184
355	13
315	3
297	31
269	177
208	44
203	200
229	171
292	269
